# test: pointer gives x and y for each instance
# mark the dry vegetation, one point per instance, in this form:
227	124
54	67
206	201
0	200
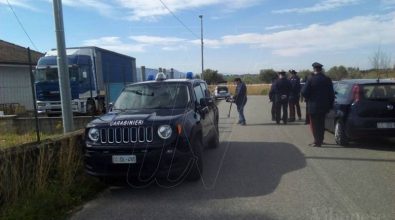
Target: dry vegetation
252	89
44	181
12	139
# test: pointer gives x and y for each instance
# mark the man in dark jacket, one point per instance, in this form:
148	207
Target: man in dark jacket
320	96
281	90
272	99
294	97
240	99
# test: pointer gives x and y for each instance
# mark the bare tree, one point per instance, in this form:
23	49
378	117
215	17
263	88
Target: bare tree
381	62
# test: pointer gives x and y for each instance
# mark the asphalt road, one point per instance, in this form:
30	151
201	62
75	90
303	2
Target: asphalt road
267	171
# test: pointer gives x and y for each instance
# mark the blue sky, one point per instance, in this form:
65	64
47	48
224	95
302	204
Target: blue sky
241	36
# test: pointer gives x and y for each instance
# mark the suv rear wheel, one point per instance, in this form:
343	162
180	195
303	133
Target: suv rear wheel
340	134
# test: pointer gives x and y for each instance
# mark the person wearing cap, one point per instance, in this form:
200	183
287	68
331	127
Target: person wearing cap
320	96
281	90
294	97
240	98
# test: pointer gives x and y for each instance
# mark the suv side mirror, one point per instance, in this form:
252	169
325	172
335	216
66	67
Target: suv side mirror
207	101
110	105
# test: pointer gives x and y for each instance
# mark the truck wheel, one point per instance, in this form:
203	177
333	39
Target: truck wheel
90	107
196	168
340	134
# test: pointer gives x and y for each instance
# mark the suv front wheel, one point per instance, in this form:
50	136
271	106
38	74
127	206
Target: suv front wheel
196	166
340	133
214	142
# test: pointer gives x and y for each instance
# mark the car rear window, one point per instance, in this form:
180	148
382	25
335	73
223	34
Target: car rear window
222	89
379	91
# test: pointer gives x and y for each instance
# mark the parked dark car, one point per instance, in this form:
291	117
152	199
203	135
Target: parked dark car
155	128
221	92
362	108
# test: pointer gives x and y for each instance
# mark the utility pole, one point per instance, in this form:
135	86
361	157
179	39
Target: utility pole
201	39
63	71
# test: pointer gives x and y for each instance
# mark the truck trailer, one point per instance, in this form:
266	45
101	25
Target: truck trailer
97	77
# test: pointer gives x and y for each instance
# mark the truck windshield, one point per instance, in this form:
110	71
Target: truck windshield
76	73
153	96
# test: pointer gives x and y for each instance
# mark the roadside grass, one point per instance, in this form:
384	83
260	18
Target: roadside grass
252	89
55	202
12	139
46	180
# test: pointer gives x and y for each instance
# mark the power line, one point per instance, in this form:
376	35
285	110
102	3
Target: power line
20	24
179	20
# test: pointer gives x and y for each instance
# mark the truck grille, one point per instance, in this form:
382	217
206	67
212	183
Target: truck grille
119	135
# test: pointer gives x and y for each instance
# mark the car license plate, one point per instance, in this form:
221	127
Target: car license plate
123	159
385	124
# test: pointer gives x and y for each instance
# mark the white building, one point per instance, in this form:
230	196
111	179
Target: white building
15	84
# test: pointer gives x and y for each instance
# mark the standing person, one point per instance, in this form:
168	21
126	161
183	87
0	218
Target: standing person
240	99
294	97
307	118
320	96
282	90
272	99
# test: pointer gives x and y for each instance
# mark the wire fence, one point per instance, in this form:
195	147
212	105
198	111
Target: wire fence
19	120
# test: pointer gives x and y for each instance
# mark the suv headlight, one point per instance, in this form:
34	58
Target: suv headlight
164	131
94	134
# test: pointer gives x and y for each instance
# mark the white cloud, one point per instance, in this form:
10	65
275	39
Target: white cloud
348	34
388	4
140	9
144	39
139	43
324	5
276	27
152	9
102	6
19	3
208	43
115	44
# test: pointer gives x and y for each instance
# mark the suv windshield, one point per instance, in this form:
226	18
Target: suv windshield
153	96
379	91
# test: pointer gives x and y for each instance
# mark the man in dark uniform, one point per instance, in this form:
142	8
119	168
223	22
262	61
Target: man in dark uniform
240	99
281	90
294	97
307	118
320	96
272	99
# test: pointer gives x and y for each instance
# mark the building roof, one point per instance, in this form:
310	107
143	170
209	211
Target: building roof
13	54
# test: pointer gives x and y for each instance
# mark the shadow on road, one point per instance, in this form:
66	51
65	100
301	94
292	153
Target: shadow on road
377	144
236	169
274	123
